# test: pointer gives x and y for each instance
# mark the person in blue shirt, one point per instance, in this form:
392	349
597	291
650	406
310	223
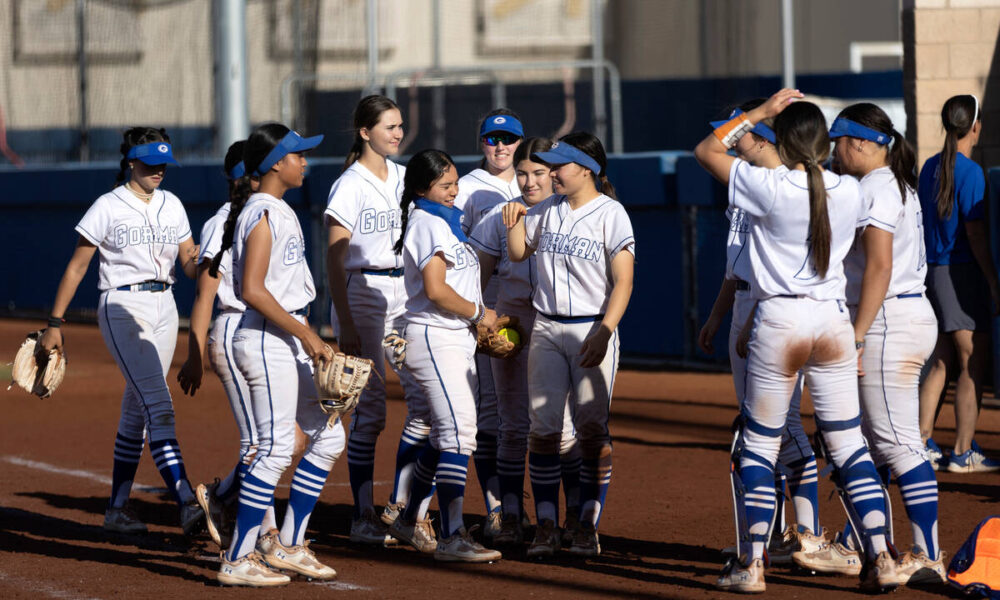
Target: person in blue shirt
961	280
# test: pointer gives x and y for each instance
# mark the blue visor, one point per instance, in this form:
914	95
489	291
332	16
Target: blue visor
502	123
760	129
842	127
562	153
152	154
238	170
292	142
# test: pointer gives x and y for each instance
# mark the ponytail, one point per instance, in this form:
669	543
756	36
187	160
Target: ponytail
239	193
819	220
958	115
903	163
606	188
134	137
357	149
367	114
404	206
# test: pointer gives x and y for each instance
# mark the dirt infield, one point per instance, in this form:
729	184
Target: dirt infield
668	512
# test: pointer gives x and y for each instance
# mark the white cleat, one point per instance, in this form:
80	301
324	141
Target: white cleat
419	534
880	575
298	559
748	579
915	568
369	529
249	570
460	547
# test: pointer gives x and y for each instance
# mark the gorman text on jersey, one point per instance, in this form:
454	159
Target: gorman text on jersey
383	220
581	247
144	234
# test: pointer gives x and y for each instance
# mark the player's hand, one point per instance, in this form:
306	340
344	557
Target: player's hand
512	213
490	319
51	339
707	333
595	347
743	341
190	375
316	348
348	339
773	106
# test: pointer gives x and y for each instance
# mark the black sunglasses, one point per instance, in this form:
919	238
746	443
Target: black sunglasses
506	139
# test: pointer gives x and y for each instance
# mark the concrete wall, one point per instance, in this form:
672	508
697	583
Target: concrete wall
952	47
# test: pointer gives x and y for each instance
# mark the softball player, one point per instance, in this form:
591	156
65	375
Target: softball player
369	296
141	232
493	183
273	348
444	303
585	255
215	278
796	455
894	324
510	376
960	281
796	258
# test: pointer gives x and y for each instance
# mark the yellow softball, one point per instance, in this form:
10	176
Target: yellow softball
511	335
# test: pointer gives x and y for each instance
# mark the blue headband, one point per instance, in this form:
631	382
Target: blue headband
152	154
292	142
238	170
502	123
760	129
562	153
842	127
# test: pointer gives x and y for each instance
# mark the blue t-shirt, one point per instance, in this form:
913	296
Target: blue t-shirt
947	243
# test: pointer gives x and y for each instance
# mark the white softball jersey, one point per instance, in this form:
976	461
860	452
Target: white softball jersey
574	250
479	192
905	221
288	277
780	256
211	243
369	208
427	235
518	278
137	241
738	241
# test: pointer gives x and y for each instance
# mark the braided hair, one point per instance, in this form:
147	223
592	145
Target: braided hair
426	167
239	191
135	137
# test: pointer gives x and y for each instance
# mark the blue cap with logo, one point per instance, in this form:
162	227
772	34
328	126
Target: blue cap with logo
292	142
506	123
842	127
152	154
562	153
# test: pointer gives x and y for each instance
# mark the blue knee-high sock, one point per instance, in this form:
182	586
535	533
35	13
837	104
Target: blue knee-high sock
570	464
595	477
485	457
307	485
422	485
451	474
361	470
847	537
510	471
803	484
411	444
545	472
127	454
864	491
760	502
255	498
230	486
167	455
918	486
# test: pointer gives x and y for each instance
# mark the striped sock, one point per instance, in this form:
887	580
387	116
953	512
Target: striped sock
361	470
167	456
544	471
422	487
760	502
864	489
128	451
510	471
411	444
307	485
595	477
451	473
570	464
485	456
918	486
803	483
229	487
256	497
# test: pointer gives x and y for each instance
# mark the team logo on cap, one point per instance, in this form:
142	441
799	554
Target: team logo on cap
162	148
554	145
499	120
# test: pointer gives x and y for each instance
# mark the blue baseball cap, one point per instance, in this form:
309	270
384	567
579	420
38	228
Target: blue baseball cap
502	123
562	153
842	127
760	129
292	142
152	154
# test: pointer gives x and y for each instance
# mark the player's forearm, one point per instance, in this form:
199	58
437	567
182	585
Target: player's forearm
76	270
447	299
517	246
487	264
201	313
337	276
874	285
724	300
622	269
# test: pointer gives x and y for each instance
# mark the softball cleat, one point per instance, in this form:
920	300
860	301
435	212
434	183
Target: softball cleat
249	570
916	568
972	461
880	574
391	512
586	541
460	547
743	579
511	533
369	529
546	542
569	529
212	506
298	559
123	520
833	557
191	517
419	534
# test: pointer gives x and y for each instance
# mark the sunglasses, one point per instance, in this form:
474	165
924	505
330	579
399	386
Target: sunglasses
507	139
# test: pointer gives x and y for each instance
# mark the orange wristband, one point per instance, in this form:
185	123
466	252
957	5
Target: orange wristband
731	131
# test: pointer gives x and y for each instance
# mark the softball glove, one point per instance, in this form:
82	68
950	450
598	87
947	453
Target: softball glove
36	371
340	381
491	342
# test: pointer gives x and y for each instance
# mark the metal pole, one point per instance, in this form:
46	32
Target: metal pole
372	18
437	94
297	60
232	113
81	51
787	44
597	53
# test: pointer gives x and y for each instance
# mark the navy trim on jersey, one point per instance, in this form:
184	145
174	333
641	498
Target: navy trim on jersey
622	244
90	237
344	222
444	389
227	341
437	248
840	178
484	247
893	227
504	191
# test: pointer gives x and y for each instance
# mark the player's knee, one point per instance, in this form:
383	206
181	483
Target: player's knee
544	443
301	442
595	447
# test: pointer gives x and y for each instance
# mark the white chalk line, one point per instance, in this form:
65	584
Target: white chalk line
37	586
